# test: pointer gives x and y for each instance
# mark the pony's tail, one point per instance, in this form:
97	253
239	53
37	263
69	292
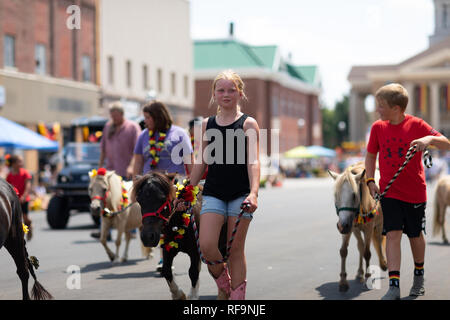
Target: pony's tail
38	292
436	215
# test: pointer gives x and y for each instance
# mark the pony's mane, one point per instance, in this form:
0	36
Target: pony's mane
367	201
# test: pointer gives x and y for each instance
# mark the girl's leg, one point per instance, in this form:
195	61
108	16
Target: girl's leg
210	226
236	262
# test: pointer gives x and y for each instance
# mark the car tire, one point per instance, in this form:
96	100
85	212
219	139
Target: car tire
57	213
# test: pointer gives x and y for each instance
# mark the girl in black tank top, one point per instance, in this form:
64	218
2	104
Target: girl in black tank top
230	177
228	180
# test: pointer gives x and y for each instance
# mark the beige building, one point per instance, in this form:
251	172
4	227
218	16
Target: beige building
426	76
146	52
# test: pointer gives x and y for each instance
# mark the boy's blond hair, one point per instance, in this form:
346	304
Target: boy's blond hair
393	94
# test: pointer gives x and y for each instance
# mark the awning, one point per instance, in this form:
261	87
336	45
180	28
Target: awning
14	135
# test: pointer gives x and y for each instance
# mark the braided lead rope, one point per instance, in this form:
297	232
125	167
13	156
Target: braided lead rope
230	242
428	161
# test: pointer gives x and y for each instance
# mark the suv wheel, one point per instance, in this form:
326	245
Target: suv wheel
57	213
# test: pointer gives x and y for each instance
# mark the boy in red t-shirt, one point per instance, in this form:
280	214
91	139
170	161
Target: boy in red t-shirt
404	204
20	178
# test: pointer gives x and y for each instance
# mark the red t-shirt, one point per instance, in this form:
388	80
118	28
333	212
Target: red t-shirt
392	142
19	180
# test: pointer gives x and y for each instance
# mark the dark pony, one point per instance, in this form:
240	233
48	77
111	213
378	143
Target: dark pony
155	193
12	237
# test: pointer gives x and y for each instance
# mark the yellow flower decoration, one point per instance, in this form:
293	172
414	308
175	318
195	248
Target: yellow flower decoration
173	244
93	173
181	231
25	228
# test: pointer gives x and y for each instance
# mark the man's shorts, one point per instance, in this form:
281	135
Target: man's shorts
405	216
225	208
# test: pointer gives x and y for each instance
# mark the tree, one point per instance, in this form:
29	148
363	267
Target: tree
335	123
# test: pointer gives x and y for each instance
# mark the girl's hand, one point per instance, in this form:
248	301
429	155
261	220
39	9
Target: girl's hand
180	205
252	200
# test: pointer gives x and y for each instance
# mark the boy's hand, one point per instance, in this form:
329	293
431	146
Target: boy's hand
373	188
422	143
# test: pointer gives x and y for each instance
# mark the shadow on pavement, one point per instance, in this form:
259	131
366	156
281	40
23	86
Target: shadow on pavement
330	290
438	243
132	275
108	265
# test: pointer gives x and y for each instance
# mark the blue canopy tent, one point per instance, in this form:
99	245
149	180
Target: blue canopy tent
320	151
13	135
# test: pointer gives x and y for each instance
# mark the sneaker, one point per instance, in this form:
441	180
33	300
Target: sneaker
392	294
159	266
417	288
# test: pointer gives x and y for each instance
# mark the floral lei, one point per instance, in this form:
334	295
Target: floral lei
188	193
155	146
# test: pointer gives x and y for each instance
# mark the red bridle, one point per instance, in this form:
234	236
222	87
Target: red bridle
102	199
157	213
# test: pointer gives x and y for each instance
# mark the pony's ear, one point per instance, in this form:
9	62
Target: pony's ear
360	175
333	174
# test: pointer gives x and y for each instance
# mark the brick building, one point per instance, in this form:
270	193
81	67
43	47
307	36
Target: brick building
48	70
280	95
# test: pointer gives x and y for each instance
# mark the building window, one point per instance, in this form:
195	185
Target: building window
111	70
173	83
86	65
39	57
186	86
145	77
9	53
129	82
160	81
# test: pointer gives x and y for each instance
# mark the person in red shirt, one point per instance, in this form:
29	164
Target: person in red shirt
404	203
20	179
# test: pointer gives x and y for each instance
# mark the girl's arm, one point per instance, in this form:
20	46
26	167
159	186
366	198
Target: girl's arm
138	164
251	129
199	166
27	191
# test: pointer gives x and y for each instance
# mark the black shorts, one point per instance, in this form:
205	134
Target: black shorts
24	206
405	216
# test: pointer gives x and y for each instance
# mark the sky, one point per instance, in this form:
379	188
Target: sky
334	35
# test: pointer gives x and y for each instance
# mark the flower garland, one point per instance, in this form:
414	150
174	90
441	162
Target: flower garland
365	218
188	193
155	146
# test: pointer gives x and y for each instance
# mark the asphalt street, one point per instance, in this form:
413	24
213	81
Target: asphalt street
292	253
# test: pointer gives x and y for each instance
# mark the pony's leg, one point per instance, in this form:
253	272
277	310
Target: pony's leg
16	249
106	225
177	293
127	244
120	232
343	283
378	242
442	219
194	272
360	273
368	232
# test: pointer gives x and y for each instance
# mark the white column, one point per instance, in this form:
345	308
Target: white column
409	86
357	117
434	105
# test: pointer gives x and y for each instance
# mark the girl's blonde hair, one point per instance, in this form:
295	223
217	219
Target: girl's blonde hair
228	75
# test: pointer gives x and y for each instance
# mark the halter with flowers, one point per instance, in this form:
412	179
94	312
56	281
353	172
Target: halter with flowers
123	201
188	193
155	146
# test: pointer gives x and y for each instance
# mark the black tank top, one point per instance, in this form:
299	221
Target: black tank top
227	177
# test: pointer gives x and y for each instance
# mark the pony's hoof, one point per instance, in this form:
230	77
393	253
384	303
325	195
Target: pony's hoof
445	241
193	297
343	287
383	266
181	296
124	259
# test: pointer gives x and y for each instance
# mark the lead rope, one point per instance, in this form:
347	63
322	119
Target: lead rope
230	242
428	161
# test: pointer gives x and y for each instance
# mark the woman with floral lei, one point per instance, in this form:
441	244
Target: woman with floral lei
228	184
162	146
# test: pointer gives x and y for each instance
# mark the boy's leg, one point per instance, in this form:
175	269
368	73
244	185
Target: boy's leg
418	252
393	255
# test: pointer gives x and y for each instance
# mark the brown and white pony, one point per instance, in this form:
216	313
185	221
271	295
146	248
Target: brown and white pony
441	201
106	195
12	237
352	198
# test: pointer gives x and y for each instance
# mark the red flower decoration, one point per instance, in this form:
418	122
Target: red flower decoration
17	191
101	171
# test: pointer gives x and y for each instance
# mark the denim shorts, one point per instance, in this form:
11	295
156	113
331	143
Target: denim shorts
225	208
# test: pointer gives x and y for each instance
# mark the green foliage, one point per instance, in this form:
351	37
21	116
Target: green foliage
332	135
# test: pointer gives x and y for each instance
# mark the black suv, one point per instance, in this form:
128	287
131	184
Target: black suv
71	189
